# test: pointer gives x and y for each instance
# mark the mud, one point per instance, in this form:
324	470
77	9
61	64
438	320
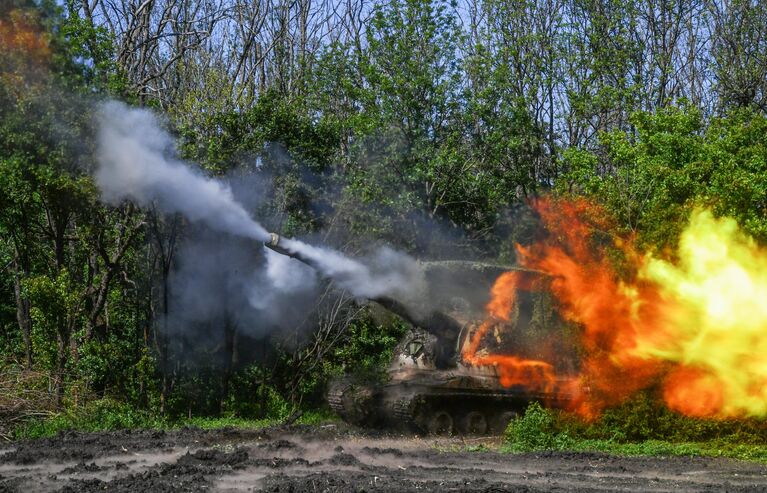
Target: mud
341	459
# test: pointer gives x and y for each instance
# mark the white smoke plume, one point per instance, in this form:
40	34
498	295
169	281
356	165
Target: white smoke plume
136	162
282	277
386	273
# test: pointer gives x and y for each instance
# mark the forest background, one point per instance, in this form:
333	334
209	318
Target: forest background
425	125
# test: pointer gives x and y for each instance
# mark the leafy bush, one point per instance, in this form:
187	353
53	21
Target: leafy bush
251	397
636	419
537	430
675	160
641	426
101	415
367	348
644	417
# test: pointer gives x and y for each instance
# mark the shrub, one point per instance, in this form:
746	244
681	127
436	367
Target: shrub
645	417
636	419
537	429
100	415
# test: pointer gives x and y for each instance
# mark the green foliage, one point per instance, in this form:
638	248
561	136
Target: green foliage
310	417
208	423
409	159
85	54
367	349
644	417
264	401
640	426
537	429
663	448
362	350
109	415
219	139
417	120
412	67
249	393
100	415
734	175
671	162
55	308
317	417
649	187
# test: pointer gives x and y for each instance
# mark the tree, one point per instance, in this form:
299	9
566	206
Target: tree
739	50
675	162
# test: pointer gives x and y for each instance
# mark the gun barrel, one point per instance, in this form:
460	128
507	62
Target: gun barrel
277	244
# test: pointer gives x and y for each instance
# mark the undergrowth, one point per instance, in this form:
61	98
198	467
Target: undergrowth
110	415
639	427
100	415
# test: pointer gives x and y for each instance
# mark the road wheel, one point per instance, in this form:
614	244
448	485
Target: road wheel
502	420
474	423
441	423
351	401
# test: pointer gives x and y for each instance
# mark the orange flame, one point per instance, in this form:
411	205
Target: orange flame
512	370
693	392
611	313
19	33
24	48
503	294
695	327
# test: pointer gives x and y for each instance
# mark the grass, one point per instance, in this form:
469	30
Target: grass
538	429
108	415
207	423
749	452
102	415
656	448
541	429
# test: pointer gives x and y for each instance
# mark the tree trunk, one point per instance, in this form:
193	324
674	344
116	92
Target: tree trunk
230	346
162	346
22	312
61	364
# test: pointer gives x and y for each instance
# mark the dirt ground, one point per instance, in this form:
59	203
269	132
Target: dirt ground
334	458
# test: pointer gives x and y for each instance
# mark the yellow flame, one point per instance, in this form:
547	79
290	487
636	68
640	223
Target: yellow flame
713	318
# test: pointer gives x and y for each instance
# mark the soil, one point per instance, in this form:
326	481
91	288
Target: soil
336	458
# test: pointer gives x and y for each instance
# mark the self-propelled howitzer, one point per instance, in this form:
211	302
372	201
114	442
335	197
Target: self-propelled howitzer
428	385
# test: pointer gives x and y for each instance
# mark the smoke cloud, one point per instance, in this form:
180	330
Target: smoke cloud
221	280
136	162
386	273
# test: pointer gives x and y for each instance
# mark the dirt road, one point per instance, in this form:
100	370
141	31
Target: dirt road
337	459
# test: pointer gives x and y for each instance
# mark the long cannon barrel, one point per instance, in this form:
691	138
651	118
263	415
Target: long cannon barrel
443	326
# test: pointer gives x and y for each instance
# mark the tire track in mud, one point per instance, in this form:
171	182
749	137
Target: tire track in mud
340	459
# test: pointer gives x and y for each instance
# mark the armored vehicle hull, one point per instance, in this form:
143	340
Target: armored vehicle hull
417	396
